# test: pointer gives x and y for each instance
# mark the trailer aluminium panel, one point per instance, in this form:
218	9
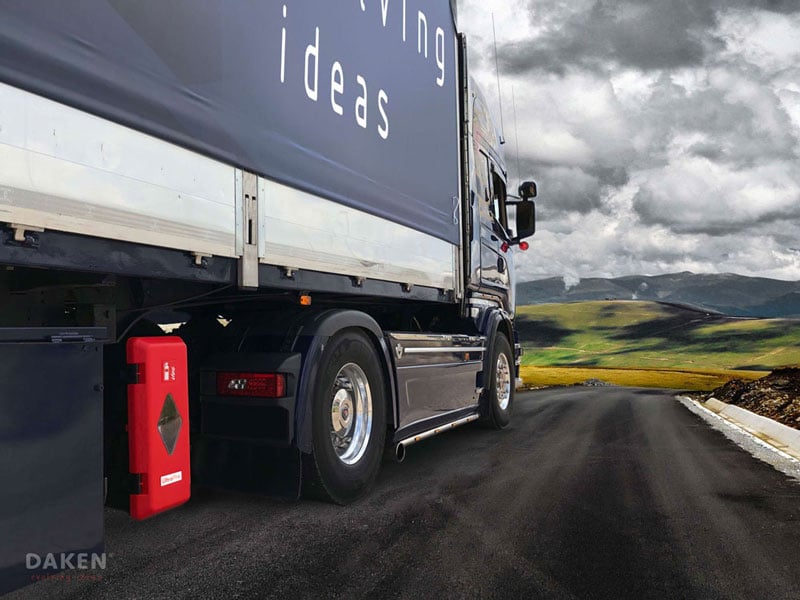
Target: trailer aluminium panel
349	115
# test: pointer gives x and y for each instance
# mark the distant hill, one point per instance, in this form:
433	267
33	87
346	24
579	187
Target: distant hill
626	334
729	294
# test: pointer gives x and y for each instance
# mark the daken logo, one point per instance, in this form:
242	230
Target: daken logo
66	560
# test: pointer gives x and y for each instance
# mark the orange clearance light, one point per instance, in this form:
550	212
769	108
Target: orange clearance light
305	300
524	246
259	385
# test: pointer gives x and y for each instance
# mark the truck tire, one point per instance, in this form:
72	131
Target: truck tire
498	397
348	421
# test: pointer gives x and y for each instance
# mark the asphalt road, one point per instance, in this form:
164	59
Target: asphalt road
592	493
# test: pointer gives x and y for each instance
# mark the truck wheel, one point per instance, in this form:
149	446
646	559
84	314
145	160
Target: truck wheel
498	397
348	421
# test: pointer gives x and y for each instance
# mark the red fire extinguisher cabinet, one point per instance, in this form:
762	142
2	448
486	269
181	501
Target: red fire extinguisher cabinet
158	425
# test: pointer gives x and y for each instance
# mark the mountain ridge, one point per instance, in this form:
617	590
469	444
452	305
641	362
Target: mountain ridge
726	293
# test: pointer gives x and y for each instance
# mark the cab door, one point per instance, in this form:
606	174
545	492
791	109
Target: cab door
495	269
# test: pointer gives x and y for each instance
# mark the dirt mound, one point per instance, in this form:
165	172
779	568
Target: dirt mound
776	396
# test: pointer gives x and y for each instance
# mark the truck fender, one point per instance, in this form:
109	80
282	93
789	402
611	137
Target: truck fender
496	322
311	340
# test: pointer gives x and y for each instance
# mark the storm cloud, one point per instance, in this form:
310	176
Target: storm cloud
664	135
647	35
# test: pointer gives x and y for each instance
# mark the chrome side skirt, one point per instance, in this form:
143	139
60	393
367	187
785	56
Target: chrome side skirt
400	447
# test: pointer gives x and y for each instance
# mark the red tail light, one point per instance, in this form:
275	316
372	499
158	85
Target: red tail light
260	385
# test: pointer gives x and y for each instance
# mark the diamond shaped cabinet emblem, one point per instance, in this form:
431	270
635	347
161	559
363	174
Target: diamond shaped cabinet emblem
169	424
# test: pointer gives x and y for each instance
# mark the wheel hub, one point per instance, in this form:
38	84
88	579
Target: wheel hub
342	413
351	414
503	381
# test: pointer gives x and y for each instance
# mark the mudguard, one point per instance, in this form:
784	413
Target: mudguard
313	334
495	321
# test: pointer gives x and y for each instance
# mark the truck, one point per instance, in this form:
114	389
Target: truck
253	245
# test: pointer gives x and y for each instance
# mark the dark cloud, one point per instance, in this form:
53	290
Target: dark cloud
640	34
660	35
652	209
575	189
786	7
744	131
567	189
613	176
644	35
708	150
706	215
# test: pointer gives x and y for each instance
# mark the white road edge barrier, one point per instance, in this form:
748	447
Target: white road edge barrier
781	437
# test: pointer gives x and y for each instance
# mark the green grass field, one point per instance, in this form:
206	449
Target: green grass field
649	344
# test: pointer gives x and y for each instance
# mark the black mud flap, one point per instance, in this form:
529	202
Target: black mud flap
247	467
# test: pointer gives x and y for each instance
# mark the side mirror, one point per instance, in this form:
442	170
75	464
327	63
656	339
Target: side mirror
527	190
526	217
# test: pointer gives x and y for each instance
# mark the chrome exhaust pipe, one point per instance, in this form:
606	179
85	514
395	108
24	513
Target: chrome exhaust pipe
400	452
400	447
395	452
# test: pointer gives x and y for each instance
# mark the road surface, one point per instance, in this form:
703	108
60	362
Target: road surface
592	493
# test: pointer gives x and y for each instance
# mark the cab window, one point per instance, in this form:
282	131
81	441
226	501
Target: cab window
498	204
491	190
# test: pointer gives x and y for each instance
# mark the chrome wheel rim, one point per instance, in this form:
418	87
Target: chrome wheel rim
351	414
502	379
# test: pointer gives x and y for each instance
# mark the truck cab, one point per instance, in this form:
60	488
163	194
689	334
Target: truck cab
496	222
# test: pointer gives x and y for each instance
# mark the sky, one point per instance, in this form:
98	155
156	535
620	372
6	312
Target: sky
664	135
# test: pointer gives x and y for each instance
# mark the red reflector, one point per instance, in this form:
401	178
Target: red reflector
261	385
523	246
